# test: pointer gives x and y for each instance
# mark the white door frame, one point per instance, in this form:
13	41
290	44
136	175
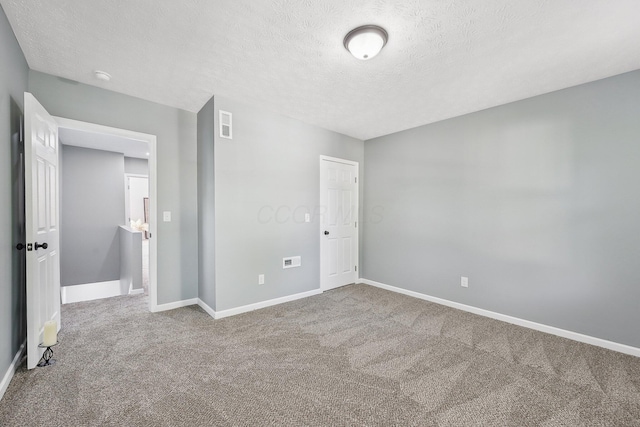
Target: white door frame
153	199
323	285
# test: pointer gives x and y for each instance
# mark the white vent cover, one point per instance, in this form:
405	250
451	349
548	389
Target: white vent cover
226	125
290	262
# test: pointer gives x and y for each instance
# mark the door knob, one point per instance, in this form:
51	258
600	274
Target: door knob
20	246
326	233
41	245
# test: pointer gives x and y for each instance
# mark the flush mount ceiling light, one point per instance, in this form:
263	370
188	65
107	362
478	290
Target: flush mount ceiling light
101	75
366	42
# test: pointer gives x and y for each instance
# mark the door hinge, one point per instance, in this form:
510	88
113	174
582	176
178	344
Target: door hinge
356	224
356	268
356	180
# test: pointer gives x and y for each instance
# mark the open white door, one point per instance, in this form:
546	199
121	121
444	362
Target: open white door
42	225
137	189
339	222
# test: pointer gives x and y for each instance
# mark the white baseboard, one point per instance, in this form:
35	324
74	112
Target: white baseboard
238	310
263	304
210	311
8	376
90	291
174	305
599	342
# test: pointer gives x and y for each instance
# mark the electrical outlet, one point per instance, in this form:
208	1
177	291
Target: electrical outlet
260	279
464	282
307	217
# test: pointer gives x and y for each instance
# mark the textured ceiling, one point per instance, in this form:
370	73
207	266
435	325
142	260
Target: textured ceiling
444	57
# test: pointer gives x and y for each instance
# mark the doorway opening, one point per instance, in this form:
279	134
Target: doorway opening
136	223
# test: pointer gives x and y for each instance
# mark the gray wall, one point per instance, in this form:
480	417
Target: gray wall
206	205
91	212
271	164
136	166
13	84
130	259
536	202
176	155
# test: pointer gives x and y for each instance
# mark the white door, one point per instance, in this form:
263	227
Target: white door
138	189
338	224
42	225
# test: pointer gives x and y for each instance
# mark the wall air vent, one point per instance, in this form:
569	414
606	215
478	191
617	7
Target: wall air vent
290	262
226	125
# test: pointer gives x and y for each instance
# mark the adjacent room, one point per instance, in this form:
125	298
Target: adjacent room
320	213
104	188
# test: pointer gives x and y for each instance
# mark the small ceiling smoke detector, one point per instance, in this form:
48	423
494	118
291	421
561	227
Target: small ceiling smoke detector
366	42
101	75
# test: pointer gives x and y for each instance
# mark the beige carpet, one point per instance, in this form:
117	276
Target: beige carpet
353	356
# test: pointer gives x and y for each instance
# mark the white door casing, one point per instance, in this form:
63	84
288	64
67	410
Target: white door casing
42	223
339	207
152	177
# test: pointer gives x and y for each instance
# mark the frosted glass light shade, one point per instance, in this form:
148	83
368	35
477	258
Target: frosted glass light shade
366	42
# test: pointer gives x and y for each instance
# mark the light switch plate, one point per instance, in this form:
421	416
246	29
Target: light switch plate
166	216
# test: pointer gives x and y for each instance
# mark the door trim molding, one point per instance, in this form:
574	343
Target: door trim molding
153	192
338	160
357	198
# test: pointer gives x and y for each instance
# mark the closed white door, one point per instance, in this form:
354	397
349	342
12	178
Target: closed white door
339	222
42	223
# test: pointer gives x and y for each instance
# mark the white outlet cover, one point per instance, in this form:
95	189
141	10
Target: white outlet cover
464	282
166	216
260	279
307	217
